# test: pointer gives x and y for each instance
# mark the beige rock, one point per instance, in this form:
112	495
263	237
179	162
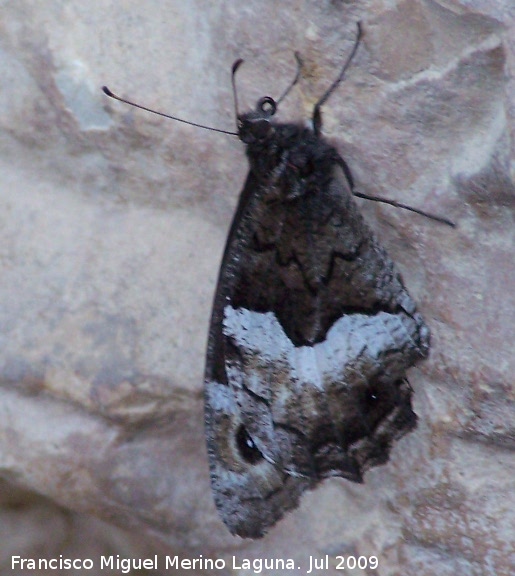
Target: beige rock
113	223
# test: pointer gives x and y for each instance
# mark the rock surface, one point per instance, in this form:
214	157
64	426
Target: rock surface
113	223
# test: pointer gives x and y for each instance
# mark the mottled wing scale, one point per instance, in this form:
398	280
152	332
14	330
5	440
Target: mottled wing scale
311	336
312	330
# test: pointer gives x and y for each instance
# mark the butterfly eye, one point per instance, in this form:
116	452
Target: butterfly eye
248	449
267	105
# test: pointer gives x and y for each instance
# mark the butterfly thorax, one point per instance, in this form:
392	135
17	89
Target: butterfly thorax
289	159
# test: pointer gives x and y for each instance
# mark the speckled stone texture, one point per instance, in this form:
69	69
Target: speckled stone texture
112	226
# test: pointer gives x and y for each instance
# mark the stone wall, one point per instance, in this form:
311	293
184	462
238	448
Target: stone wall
113	223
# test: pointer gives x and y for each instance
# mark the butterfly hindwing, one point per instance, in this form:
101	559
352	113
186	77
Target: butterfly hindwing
311	335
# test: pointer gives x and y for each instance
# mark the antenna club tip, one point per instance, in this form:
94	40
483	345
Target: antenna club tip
236	65
108	92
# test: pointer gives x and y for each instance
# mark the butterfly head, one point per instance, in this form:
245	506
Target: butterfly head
256	126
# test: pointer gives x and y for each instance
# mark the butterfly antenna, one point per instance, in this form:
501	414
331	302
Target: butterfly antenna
317	114
235	67
294	81
108	92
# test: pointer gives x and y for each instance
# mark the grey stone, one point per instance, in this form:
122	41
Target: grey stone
113	223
